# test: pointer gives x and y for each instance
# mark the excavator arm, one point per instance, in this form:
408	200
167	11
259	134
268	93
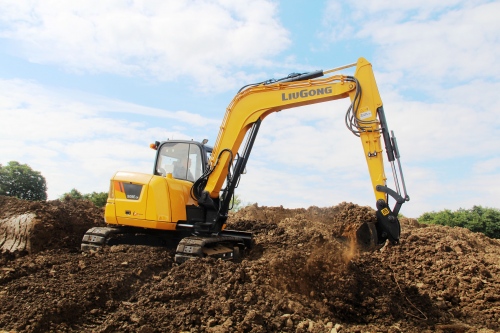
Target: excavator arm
365	118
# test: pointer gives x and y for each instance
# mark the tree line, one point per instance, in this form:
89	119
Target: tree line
21	181
477	219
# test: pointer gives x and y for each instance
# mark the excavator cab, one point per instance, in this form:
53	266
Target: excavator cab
184	160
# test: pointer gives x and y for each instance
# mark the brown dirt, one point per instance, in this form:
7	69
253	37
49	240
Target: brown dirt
31	227
297	278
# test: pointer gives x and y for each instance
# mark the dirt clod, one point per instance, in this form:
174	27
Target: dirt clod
297	278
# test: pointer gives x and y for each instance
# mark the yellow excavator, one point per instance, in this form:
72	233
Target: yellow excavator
188	196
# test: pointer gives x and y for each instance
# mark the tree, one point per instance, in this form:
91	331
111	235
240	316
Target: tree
98	198
74	193
19	180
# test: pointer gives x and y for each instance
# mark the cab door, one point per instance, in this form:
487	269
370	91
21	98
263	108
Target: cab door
181	163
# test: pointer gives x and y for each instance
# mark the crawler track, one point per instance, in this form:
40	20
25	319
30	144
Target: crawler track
226	247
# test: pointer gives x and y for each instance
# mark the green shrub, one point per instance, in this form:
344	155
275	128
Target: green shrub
477	219
98	198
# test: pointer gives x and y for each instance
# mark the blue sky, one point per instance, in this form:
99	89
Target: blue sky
85	86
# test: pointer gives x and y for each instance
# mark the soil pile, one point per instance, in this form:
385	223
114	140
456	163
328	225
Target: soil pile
299	277
31	227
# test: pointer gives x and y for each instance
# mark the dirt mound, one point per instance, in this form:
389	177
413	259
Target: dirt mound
298	278
31	227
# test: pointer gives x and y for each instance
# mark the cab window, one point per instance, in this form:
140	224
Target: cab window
182	160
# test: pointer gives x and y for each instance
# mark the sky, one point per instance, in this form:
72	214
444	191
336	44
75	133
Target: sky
87	85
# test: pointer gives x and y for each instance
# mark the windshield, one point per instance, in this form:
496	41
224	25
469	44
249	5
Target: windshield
182	160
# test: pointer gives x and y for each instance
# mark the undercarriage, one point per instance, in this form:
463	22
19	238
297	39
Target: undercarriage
226	245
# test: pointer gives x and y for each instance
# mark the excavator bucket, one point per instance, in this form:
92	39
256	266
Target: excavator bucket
371	236
366	237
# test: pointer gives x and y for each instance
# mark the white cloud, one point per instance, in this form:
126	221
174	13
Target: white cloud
77	141
206	40
440	131
445	41
458	45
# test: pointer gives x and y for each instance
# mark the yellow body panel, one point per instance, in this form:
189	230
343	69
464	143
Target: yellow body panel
160	205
